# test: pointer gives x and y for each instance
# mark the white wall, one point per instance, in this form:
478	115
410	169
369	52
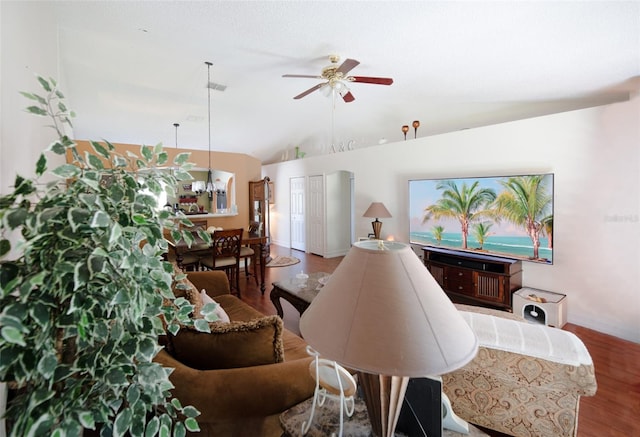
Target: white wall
595	156
28	47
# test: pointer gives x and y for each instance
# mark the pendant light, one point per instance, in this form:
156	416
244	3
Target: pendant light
172	170
210	188
176	125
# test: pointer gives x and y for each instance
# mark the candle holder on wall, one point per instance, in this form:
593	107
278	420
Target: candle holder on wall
416	125
405	129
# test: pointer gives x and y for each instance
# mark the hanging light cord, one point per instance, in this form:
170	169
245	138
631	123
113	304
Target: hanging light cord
334	147
209	107
209	187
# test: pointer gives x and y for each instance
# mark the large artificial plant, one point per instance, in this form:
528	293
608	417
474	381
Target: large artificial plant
84	290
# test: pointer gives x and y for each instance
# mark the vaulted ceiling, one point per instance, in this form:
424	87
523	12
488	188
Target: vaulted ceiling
133	69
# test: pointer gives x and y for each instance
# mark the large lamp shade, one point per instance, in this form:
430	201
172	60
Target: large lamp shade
381	312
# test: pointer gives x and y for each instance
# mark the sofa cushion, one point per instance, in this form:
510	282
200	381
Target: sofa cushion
230	345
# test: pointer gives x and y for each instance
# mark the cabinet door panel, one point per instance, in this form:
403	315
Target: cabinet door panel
438	273
490	287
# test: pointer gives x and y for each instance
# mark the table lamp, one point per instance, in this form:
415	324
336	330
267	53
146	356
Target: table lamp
382	314
376	210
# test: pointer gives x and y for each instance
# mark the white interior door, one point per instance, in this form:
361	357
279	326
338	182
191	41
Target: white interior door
315	215
297	190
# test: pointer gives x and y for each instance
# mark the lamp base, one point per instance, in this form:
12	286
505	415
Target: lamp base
377	227
383	396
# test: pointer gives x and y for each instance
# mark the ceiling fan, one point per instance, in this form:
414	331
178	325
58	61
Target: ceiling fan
336	76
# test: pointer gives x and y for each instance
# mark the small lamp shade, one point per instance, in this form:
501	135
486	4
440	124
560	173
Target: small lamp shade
377	210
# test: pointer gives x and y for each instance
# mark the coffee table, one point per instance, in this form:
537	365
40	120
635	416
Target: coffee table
297	294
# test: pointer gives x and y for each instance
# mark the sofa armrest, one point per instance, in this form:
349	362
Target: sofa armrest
215	282
242	392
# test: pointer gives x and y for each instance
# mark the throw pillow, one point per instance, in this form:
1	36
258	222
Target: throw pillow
230	345
222	315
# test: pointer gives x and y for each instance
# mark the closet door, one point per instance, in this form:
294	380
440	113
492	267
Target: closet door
315	215
298	230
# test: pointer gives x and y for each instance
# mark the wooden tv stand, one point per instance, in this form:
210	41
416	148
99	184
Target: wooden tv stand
474	278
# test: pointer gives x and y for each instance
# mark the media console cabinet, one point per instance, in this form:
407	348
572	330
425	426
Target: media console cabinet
474	278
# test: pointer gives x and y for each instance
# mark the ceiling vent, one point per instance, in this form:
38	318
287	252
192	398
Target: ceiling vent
217	87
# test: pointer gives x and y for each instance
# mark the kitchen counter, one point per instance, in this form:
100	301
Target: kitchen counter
210	215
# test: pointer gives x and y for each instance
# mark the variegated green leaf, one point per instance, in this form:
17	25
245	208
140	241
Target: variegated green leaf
15	217
41	165
147	152
94	161
162	158
44	83
181	158
100	149
57	147
192	424
86	420
12	335
36	110
100	219
5	247
78	217
201	325
47	365
66	171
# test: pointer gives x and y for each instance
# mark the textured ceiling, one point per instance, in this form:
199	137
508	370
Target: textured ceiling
132	69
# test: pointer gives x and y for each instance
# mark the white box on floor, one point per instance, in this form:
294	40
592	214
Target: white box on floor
540	306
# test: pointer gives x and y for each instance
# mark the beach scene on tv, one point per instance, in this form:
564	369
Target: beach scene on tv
509	216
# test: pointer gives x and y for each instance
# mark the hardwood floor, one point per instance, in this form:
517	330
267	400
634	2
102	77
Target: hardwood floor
613	412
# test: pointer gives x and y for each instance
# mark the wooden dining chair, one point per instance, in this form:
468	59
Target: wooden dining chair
247	252
225	254
190	259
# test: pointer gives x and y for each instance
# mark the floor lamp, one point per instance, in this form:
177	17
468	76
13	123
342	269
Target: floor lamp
382	313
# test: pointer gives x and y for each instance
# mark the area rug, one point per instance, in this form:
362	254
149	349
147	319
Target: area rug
326	421
283	261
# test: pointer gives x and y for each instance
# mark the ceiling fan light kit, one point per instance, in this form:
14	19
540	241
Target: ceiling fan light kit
336	78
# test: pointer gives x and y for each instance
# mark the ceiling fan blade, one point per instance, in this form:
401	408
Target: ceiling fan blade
347	66
348	97
310	90
302	75
375	80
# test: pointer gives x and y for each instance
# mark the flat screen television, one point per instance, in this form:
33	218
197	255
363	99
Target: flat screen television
508	216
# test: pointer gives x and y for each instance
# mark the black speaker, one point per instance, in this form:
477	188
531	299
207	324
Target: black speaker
421	413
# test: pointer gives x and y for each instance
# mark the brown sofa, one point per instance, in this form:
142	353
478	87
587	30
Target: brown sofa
237	399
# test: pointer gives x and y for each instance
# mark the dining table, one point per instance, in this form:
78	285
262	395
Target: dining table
255	241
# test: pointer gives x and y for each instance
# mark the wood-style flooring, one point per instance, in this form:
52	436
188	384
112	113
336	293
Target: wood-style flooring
613	412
